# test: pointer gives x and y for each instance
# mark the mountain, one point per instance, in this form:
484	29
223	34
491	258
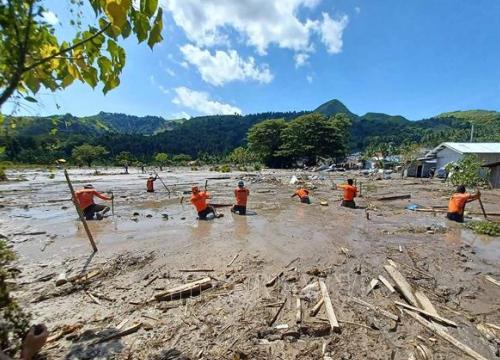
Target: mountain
332	107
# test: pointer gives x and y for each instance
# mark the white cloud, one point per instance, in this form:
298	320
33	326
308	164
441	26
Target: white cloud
300	59
225	66
260	22
169	71
163	89
357	9
180	115
50	17
331	32
201	102
309	79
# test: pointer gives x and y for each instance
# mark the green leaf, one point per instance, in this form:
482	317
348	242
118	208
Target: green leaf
155	34
90	76
150	7
32	82
141	26
30	99
126	30
117	13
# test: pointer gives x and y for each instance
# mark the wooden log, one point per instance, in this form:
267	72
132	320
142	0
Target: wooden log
233	259
394	197
186	290
444	335
93	298
387	284
376	309
80	212
491	280
298	315
271	322
425	303
482	207
196	270
402	285
423	312
371	286
334	325
317	307
273	279
120	334
150	281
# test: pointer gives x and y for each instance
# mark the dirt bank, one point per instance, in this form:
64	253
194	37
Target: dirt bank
142	255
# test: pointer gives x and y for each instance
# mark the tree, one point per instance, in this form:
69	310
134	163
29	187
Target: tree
468	171
32	57
161	159
312	136
86	153
181	158
241	156
124	158
264	140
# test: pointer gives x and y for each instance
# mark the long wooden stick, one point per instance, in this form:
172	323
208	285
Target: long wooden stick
433	316
80	213
334	325
161	180
482	208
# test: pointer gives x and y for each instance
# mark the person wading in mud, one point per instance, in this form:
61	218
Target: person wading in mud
303	195
350	192
150	184
241	193
199	201
85	198
456	205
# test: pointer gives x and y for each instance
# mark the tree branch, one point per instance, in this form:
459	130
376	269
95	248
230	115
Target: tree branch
65	50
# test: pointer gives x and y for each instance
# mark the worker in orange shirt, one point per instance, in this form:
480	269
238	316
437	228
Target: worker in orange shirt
350	192
85	199
199	200
241	193
150	184
303	195
456	205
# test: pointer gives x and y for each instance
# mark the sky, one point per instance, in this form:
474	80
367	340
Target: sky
415	58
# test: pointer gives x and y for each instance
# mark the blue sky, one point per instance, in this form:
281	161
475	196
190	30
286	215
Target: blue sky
415	58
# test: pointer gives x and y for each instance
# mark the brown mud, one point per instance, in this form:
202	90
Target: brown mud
141	255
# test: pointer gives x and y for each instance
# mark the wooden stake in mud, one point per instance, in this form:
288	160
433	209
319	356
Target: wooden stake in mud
161	180
482	207
79	211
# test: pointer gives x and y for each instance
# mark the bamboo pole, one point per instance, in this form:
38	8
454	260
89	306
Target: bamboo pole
79	211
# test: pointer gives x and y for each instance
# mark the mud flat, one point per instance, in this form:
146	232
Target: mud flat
166	286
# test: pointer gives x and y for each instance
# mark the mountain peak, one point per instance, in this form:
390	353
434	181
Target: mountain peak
333	107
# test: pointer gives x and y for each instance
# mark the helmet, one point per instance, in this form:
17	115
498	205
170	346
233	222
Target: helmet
88	186
241	183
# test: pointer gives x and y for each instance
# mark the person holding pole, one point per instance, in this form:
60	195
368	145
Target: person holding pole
199	201
150	184
350	192
85	199
456	205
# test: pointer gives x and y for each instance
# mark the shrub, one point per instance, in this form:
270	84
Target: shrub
484	227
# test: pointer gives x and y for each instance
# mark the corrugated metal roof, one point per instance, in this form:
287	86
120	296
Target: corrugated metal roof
470	148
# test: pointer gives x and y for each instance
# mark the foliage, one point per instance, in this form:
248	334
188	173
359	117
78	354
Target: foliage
87	154
265	139
241	156
3	175
484	227
32	56
13	321
124	158
468	171
161	159
181	158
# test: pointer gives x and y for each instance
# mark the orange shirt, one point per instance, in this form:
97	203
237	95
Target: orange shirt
199	200
457	202
150	184
85	197
302	193
350	192
241	196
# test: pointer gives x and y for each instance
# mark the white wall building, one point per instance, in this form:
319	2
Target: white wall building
449	151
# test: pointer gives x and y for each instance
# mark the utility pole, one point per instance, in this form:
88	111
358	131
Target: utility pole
471	132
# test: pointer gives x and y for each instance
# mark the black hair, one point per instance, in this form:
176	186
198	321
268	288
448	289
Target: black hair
460	189
350	181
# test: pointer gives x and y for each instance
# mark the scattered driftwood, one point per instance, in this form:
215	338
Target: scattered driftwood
376	309
387	284
334	325
491	280
32	233
423	312
373	284
402	285
233	259
186	290
153	279
120	334
425	303
93	298
316	307
78	278
394	197
65	330
273	279
298	315
443	334
196	270
271	322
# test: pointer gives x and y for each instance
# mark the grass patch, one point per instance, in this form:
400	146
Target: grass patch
484	227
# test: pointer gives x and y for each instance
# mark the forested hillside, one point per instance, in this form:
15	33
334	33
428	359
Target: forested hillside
43	139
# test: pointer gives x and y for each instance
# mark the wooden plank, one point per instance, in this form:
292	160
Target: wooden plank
394	197
233	259
444	335
371	286
196	270
376	308
271	322
120	334
186	290
387	284
402	285
334	325
425	303
273	279
435	317
314	311
298	315
491	280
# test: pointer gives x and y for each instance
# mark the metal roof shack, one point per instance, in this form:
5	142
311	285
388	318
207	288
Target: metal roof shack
450	151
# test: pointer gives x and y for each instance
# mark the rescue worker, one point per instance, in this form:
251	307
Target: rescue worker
241	193
303	195
85	199
456	205
350	192
150	186
199	201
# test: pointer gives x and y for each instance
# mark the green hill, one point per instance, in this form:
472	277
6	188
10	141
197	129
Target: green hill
332	107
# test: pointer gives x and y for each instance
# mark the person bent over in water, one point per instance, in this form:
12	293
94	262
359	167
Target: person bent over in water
241	193
456	205
199	201
350	192
303	195
85	199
